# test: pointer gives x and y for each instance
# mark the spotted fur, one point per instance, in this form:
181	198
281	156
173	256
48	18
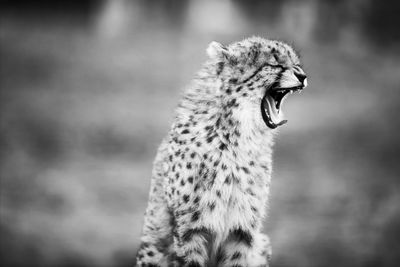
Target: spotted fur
211	177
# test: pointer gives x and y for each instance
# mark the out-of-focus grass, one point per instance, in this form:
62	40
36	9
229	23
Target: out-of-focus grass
84	104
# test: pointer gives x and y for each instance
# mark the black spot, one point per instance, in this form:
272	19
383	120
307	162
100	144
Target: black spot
193	264
190	179
242	236
265	167
202	231
210	138
193	155
233	80
186	131
251	163
197	186
228	91
175	259
250	192
244	94
220	67
223	166
218	193
222	146
218	122
213	175
177	153
186	198
245	170
238	89
150	253
196	200
226	136
220	257
254	209
233	101
195	216
182	182
211	206
188	165
236	255
228	180
198	144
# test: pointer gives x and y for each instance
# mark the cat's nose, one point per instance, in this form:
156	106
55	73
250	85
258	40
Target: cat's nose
300	75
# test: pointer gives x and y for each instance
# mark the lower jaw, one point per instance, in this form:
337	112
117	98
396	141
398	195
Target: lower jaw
267	119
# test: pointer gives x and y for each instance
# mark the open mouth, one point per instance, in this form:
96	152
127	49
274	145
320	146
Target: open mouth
272	104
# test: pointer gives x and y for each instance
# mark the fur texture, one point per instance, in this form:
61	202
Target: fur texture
211	177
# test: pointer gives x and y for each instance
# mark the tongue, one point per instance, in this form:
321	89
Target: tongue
275	114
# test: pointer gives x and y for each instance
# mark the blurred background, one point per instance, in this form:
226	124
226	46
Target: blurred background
88	89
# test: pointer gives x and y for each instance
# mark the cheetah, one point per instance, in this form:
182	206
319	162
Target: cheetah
211	177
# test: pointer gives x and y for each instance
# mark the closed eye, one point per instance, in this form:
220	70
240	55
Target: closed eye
261	68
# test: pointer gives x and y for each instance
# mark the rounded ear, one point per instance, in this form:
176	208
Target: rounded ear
216	50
